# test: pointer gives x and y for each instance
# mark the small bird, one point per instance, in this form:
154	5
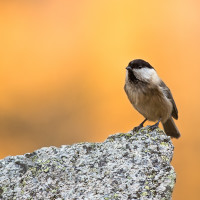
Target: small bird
150	96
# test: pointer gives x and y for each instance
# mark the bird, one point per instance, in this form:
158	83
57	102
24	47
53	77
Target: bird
151	97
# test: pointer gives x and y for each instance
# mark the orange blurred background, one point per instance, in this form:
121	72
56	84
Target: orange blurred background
62	72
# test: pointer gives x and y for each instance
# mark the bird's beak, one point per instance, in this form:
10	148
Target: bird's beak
129	68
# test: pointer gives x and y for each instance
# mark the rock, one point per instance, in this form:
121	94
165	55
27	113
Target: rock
125	166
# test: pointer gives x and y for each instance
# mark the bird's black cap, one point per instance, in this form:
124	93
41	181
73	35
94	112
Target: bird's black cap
139	63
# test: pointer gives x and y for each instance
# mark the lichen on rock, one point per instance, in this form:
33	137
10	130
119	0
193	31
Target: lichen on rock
125	166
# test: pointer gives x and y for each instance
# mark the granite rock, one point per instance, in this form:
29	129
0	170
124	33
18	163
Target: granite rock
125	166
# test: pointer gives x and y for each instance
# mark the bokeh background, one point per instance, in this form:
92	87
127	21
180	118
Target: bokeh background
62	70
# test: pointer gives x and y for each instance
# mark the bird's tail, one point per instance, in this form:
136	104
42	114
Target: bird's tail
171	129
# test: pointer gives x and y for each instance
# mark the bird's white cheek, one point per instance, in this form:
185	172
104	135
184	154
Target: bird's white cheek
146	74
143	73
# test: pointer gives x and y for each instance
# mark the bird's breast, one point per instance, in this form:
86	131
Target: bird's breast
149	101
135	94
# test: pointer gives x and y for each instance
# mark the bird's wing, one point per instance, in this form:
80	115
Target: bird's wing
168	94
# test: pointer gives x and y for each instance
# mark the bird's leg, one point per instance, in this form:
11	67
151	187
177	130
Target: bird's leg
155	125
137	128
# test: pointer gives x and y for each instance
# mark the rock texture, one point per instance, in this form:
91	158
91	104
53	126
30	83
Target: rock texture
125	166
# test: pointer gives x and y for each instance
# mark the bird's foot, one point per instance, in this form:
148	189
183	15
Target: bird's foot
137	128
153	127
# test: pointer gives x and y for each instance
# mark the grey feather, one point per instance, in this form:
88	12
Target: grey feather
171	129
168	94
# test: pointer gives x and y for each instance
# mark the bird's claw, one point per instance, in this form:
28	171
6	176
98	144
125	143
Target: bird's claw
137	128
153	127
